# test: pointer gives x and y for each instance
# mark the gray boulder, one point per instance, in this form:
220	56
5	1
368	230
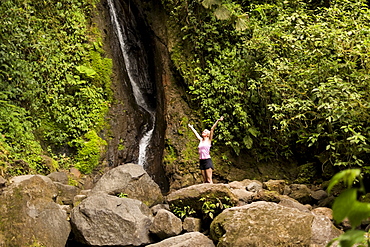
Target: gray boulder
191	239
262	224
290	202
105	220
166	224
323	230
132	180
244	190
195	195
271	224
66	193
29	216
250	185
319	195
255	186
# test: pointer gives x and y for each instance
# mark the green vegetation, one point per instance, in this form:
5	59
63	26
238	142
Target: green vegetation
184	211
89	152
209	207
347	206
122	195
214	206
54	84
291	77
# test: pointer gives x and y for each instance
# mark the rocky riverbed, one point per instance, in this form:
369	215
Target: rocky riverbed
127	208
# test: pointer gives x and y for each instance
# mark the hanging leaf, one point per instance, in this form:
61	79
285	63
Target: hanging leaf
248	142
241	22
348	176
222	13
253	131
208	3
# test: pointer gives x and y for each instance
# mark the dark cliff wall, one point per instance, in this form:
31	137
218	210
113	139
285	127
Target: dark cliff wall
127	120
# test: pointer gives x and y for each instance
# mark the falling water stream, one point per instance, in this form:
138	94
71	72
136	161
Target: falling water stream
137	79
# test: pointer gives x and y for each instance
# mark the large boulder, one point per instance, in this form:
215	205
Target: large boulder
132	180
269	224
191	239
196	195
29	215
262	224
105	220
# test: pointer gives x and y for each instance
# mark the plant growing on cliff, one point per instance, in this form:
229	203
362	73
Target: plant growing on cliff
54	79
90	148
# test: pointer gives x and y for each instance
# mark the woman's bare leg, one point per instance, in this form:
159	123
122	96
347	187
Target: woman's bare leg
204	176
208	176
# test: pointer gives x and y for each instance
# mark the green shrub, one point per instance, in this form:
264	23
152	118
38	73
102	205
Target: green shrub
90	148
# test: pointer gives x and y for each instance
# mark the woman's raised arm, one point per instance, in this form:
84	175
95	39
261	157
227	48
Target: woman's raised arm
214	126
195	132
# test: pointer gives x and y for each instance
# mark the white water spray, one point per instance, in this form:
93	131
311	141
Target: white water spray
149	127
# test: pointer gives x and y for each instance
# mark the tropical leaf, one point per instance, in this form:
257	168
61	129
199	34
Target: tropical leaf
208	3
241	22
222	13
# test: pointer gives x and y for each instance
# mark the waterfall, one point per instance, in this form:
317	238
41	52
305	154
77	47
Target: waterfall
139	79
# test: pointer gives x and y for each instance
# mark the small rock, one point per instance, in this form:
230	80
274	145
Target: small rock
192	224
166	224
60	177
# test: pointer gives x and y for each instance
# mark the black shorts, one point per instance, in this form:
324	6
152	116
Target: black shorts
205	164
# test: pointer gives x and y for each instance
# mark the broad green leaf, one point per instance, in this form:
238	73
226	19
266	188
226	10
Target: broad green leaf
253	131
348	176
343	204
360	211
351	237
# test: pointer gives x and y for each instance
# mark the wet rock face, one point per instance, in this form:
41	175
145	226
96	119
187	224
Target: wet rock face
128	121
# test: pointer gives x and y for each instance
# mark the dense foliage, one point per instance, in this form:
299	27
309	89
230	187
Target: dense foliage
291	77
54	83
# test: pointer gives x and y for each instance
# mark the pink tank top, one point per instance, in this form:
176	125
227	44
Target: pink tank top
204	149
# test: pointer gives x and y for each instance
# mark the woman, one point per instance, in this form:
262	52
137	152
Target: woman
205	161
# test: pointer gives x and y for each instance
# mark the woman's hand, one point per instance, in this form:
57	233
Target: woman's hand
221	118
190	125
